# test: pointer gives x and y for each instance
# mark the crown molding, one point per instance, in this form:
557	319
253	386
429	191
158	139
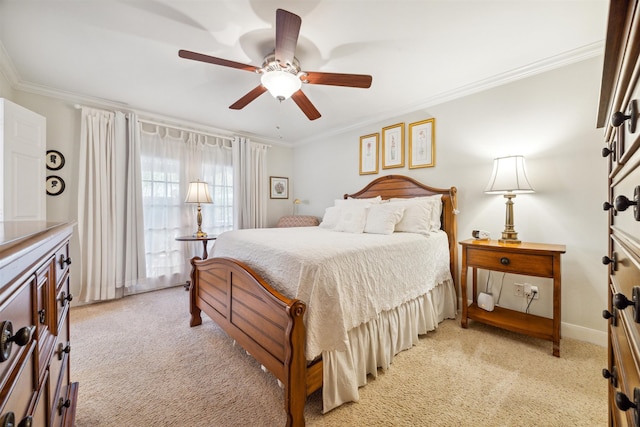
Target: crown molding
566	58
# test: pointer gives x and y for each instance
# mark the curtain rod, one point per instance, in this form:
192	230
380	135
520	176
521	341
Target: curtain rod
151	122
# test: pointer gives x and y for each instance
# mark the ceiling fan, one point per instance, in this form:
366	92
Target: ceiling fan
281	73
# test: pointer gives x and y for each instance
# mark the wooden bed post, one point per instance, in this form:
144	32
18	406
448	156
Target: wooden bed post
296	367
196	318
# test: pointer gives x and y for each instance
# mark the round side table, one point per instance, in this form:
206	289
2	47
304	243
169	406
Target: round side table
205	254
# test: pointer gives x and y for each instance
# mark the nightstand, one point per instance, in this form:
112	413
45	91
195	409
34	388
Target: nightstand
528	259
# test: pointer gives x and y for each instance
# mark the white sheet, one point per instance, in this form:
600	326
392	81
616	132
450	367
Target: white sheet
345	279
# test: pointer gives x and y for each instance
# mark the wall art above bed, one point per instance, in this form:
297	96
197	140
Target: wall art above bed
422	144
393	146
369	154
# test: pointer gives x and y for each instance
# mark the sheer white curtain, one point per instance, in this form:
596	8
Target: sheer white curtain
108	209
251	189
170	159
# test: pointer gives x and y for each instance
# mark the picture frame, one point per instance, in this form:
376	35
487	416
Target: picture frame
279	187
422	144
393	146
369	154
54	160
55	185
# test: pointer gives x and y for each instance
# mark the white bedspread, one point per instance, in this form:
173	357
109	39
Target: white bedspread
345	279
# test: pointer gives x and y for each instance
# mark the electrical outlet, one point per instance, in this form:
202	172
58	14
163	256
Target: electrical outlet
530	290
518	289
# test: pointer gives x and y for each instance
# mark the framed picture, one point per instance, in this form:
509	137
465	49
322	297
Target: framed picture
279	187
54	160
55	185
369	154
422	144
393	146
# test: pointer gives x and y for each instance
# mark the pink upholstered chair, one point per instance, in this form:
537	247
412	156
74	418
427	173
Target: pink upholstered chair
298	221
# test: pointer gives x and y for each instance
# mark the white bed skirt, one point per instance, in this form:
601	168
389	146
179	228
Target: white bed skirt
373	345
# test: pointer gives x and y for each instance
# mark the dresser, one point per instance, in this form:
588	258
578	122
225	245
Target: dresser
618	116
35	385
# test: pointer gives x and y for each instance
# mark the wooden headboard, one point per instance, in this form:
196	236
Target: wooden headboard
389	186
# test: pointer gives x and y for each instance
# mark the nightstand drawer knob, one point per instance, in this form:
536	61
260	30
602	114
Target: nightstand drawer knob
504	260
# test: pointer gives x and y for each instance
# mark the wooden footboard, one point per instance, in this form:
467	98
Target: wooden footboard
265	323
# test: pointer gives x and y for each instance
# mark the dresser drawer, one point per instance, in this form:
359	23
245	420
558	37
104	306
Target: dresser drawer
510	262
61	352
62	302
16	308
21	388
625	371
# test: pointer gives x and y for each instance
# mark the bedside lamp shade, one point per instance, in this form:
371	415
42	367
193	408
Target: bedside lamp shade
198	193
509	177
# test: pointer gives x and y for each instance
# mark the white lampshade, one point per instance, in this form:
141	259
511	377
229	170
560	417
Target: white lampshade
198	193
281	84
509	176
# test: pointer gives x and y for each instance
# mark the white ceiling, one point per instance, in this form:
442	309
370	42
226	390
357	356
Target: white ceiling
125	53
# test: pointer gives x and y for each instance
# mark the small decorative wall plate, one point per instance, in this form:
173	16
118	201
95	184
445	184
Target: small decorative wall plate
54	160
55	185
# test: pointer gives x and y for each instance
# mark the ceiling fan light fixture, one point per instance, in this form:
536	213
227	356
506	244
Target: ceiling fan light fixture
281	84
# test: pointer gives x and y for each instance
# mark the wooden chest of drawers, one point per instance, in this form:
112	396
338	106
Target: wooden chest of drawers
618	114
35	387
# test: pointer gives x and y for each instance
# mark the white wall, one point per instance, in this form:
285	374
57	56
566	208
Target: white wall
6	90
550	119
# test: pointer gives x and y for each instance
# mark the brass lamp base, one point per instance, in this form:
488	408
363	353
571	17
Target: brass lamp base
509	235
199	233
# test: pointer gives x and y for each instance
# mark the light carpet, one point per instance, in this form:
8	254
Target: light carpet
140	364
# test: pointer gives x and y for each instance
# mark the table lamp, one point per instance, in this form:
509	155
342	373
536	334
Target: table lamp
509	177
198	193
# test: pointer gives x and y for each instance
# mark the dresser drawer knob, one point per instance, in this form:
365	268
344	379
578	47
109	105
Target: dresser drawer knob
624	403
9	420
607	151
64	298
620	301
21	338
606	206
63	404
504	260
613	260
611	375
623	202
62	349
64	261
607	314
42	316
618	118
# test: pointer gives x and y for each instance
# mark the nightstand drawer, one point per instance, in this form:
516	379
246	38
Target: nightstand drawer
510	262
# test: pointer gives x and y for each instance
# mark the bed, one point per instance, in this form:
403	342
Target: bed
253	298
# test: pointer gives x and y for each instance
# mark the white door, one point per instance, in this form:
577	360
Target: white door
23	162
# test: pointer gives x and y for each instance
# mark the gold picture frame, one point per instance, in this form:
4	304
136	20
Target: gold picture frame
279	187
369	154
393	146
422	144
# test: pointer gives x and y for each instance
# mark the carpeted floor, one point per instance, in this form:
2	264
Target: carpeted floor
140	364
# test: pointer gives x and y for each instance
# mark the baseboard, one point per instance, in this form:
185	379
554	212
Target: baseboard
593	336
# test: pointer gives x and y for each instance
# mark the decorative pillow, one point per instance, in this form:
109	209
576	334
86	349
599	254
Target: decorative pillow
436	208
352	219
357	202
330	218
382	218
416	217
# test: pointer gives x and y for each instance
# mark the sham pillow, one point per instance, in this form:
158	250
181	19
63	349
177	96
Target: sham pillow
416	217
382	218
330	218
436	208
352	219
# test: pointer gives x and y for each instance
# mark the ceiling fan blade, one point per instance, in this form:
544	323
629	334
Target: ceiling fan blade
287	30
245	100
335	79
187	54
305	105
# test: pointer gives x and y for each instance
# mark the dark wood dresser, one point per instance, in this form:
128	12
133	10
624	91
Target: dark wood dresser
618	115
35	386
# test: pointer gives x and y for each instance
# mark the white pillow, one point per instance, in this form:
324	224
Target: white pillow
382	218
330	218
416	217
352	219
436	208
357	202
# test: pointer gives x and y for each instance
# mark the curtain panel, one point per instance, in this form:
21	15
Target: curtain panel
251	189
108	209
